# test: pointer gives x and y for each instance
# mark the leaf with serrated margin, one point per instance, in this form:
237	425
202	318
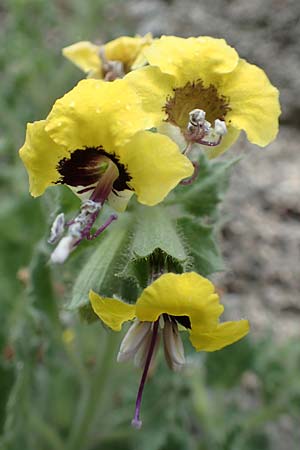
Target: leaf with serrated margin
206	258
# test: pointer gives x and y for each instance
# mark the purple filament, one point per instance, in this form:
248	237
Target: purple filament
86	233
193	177
209	143
103	227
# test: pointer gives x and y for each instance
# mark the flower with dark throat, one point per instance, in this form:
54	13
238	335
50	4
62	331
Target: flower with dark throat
111	60
172	302
198	90
95	141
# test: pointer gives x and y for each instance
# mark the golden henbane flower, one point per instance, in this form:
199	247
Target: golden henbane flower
95	141
186	301
200	87
111	60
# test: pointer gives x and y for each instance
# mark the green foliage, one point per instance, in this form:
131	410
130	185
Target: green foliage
155	230
60	387
100	271
204	195
122	254
242	353
200	241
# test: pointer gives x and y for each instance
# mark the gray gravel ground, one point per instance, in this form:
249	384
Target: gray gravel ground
261	239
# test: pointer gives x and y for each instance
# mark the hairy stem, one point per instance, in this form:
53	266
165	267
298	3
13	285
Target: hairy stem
91	397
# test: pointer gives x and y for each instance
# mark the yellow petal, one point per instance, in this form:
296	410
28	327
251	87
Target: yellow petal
40	156
126	49
155	165
224	334
153	87
96	113
111	311
187	294
227	141
192	58
84	55
253	101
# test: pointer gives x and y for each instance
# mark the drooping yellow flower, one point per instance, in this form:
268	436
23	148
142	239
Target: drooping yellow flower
94	140
110	61
188	300
201	86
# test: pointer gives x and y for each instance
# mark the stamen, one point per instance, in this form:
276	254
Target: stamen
220	127
57	228
65	246
201	132
82	224
103	227
133	340
173	346
194	176
80	228
136	422
112	69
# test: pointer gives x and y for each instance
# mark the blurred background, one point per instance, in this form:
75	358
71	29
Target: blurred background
242	398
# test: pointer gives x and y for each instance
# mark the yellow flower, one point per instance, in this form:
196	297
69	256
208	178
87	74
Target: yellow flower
94	140
68	336
97	128
187	300
201	86
112	60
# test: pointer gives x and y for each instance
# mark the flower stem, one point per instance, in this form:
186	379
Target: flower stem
91	399
43	429
136	422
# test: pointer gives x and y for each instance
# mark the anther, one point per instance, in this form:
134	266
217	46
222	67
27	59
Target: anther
220	127
63	250
133	340
112	69
197	116
90	206
78	229
173	347
57	228
201	132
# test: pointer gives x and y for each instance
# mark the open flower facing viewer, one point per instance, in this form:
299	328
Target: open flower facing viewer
200	92
173	300
95	141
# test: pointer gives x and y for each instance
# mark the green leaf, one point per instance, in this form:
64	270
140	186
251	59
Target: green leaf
199	239
156	229
100	271
41	287
155	233
203	196
136	270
